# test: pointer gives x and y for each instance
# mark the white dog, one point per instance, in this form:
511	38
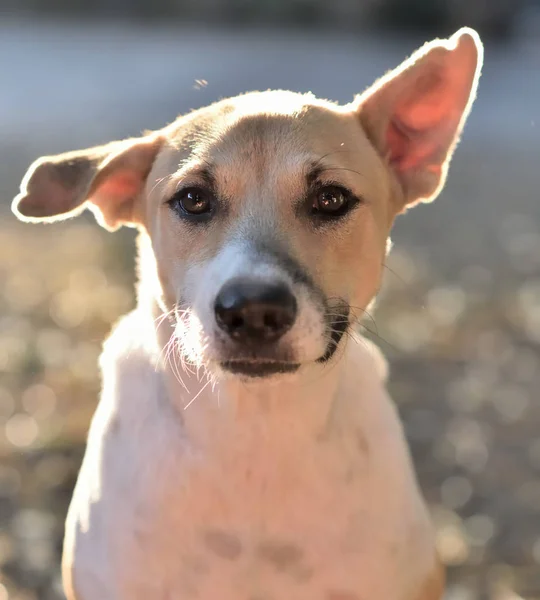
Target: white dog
244	447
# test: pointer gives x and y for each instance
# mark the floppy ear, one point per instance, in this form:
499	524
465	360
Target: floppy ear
106	179
414	115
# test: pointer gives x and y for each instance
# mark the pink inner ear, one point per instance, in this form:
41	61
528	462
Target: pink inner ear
411	149
118	188
424	120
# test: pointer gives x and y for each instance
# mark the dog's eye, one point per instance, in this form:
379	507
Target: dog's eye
192	201
331	201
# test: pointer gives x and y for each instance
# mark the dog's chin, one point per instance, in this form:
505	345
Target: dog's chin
258	369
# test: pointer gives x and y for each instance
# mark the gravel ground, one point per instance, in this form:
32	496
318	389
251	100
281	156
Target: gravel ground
459	316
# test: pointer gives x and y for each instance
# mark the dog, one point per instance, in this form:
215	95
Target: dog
245	447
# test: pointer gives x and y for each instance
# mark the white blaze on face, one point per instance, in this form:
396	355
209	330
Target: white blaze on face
200	337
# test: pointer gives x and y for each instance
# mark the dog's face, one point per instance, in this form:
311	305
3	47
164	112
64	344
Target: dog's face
277	210
268	214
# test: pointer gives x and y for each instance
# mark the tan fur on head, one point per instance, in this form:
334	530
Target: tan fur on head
413	116
259	156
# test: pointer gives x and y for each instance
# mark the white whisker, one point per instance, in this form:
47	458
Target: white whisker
198	394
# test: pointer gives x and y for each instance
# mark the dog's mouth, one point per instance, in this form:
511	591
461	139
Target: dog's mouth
259	360
266	366
338	325
254	369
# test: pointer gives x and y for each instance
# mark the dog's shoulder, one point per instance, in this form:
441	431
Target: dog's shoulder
129	359
433	586
131	336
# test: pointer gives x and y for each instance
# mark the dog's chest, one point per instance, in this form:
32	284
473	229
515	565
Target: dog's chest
261	517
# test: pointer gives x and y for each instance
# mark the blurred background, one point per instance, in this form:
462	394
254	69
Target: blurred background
459	316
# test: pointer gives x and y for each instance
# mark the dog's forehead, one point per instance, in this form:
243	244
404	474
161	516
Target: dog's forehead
268	145
268	124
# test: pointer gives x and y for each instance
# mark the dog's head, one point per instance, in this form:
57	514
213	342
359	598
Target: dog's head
268	214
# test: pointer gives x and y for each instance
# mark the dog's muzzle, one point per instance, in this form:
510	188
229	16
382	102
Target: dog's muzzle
255	315
338	326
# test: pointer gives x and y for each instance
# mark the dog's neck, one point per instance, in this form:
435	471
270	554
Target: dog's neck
294	405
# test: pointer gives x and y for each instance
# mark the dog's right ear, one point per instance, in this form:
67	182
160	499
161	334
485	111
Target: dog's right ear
414	114
106	179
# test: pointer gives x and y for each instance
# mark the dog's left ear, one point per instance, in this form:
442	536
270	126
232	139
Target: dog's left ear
414	115
107	179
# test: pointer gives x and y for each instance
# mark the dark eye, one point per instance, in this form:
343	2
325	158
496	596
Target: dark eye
192	201
331	201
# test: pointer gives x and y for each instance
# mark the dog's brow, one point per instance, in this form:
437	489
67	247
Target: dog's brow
207	175
204	173
313	174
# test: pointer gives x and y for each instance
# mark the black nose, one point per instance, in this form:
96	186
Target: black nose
254	311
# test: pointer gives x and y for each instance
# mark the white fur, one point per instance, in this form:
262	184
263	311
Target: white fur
307	339
316	461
